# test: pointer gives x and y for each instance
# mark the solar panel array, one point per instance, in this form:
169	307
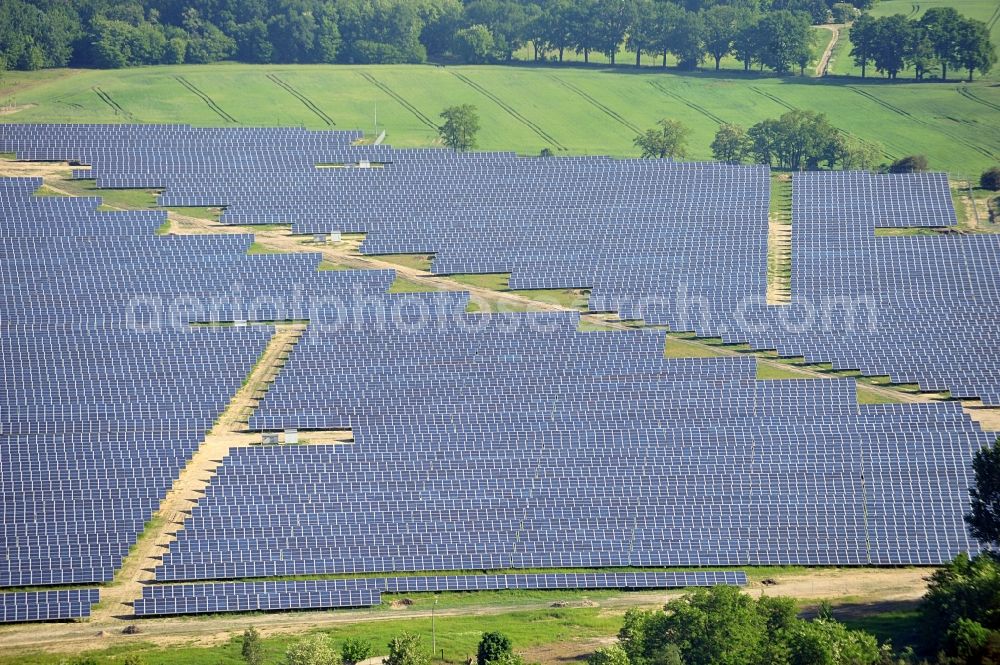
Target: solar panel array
363	592
46	605
486	450
873	199
480	442
108	391
927	306
682	245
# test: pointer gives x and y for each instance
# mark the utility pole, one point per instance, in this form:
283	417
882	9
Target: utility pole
433	627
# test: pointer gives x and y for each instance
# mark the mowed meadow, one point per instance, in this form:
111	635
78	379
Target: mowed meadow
524	108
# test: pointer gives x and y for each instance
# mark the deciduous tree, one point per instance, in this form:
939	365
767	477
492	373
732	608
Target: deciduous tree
942	25
669	140
612	655
909	164
315	650
975	52
612	21
492	646
864	41
641	28
251	648
461	123
474	44
785	40
406	649
964	589
857	155
990	179
746	43
983	518
893	35
354	650
720	26
731	144
557	25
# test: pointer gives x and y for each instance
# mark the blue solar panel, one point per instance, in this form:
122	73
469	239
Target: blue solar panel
507	441
244	596
678	244
46	605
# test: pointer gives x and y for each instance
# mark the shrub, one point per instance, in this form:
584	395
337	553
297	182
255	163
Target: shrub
990	179
355	650
844	12
909	164
491	647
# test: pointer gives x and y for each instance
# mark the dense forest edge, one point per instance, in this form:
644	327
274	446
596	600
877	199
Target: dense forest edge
774	34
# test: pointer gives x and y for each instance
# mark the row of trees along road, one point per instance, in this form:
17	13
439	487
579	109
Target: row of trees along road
775	34
941	38
778	38
104	33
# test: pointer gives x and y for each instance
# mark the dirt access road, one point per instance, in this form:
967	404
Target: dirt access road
824	61
848	586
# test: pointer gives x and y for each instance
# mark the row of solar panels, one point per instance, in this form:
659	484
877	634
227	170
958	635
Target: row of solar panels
47	605
363	592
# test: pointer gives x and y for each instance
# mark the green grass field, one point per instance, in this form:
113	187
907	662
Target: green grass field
571	110
457	636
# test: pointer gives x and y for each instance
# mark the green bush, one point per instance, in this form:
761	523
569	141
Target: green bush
990	179
909	164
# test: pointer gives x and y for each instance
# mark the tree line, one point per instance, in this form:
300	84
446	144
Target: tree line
773	34
940	39
103	33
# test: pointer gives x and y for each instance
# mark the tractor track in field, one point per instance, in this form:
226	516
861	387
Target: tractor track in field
109	100
614	115
62	101
909	116
774	98
208	100
695	107
914	10
308	103
971	96
514	113
417	113
994	17
781	102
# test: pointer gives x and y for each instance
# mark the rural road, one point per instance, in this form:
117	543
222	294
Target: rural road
824	62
